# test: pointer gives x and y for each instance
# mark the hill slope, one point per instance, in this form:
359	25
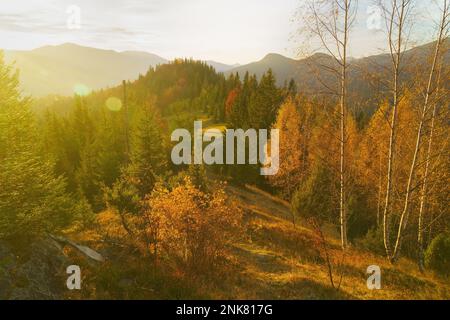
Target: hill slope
280	261
58	69
273	260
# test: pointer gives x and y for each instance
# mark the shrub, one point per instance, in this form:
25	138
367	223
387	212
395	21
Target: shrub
373	241
360	216
194	228
314	197
437	255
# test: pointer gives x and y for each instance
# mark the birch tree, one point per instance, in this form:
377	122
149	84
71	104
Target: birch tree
396	15
329	22
443	30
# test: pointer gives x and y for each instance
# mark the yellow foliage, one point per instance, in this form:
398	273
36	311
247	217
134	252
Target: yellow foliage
292	147
193	227
185	225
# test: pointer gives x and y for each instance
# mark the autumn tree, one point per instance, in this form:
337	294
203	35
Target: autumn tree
429	91
329	22
288	122
396	15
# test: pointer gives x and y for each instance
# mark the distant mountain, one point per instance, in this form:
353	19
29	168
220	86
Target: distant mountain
365	75
59	69
62	68
282	66
306	72
221	67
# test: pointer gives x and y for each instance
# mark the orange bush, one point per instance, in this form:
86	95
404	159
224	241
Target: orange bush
194	226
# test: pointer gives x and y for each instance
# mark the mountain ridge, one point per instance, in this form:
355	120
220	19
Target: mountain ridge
285	68
58	69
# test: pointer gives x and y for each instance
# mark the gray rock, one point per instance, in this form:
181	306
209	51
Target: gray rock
35	272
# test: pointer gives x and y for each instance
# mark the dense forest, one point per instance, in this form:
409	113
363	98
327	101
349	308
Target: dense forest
96	168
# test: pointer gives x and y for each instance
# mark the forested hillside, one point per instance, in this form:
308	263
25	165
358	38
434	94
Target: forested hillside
362	181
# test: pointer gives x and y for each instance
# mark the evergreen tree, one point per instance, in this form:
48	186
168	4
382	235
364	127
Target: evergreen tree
198	176
264	103
149	155
32	198
312	199
240	115
292	88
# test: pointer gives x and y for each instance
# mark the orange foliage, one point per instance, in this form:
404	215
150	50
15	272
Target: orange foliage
184	225
292	155
194	227
231	98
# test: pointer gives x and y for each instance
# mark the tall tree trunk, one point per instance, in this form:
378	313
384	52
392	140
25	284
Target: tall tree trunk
380	180
423	196
423	193
429	91
331	22
343	102
396	51
126	120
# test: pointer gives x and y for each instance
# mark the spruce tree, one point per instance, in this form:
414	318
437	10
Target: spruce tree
32	198
264	103
148	156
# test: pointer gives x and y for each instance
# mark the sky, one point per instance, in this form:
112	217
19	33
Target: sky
228	31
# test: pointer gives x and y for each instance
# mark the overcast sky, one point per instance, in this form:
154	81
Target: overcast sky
229	31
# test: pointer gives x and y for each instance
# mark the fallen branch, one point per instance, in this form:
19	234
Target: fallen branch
92	254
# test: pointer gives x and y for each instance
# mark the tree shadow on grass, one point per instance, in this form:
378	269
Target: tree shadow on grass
307	289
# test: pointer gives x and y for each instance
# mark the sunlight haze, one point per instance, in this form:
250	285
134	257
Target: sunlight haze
230	31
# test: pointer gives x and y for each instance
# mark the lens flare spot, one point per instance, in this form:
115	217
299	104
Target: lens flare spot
114	104
81	89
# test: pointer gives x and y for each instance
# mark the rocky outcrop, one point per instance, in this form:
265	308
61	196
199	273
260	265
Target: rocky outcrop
34	270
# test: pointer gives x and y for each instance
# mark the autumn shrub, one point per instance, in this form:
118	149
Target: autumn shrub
194	227
437	255
181	224
109	226
372	241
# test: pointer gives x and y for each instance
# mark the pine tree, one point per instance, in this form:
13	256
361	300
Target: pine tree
32	199
292	88
264	103
148	156
240	115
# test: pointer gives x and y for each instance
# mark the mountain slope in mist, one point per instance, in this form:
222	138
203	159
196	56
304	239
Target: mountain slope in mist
63	68
60	69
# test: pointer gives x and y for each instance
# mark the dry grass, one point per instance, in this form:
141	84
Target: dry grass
273	260
279	261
